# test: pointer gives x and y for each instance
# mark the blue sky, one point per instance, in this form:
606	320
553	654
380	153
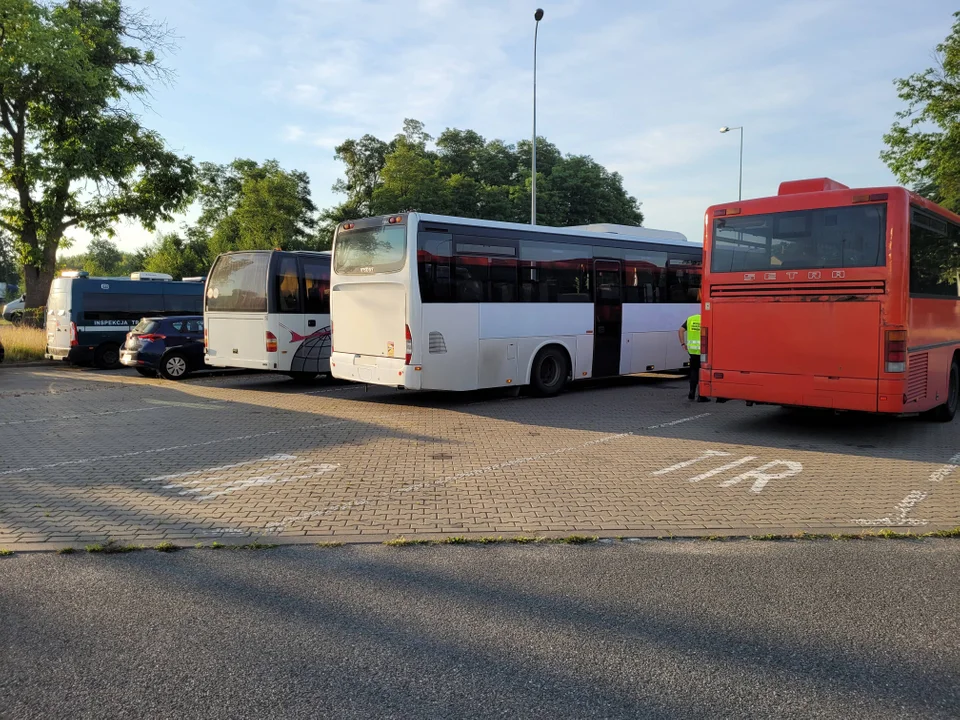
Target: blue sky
642	89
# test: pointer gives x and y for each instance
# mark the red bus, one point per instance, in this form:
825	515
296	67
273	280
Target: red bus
831	297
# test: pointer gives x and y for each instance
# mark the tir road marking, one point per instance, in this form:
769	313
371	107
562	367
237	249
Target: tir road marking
761	475
899	518
281	526
220	468
84	461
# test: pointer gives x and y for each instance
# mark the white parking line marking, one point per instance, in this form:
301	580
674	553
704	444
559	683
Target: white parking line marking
723	468
78	417
84	461
915	497
281	525
688	463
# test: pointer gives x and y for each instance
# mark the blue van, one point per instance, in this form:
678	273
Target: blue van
88	318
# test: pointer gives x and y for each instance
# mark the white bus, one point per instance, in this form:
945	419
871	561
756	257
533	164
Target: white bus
443	303
269	310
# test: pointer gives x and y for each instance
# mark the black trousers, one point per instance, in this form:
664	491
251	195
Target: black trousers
694	374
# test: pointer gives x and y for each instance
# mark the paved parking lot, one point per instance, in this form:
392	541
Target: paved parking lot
87	455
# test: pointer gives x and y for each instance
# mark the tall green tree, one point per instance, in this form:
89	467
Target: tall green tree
176	256
923	146
72	152
463	174
251	206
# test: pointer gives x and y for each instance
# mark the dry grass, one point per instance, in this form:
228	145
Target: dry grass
22	344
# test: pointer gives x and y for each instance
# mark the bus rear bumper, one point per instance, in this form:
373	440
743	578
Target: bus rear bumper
854	394
373	370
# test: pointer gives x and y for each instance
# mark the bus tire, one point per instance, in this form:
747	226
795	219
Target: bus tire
174	366
107	356
550	371
946	412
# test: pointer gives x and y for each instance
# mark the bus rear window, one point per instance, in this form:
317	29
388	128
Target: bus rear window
841	237
367	251
238	283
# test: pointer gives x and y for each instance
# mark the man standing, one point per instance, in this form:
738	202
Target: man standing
689	334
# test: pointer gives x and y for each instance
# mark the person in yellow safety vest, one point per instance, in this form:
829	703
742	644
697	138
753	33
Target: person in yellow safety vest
689	334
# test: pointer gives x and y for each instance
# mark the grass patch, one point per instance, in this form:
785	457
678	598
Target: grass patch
66	551
112	548
166	546
954	533
255	545
23	344
575	540
216	546
404	542
329	544
5	553
524	539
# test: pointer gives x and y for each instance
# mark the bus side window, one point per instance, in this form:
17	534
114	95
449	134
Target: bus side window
316	277
288	285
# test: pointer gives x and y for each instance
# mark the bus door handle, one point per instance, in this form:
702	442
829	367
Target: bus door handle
311	323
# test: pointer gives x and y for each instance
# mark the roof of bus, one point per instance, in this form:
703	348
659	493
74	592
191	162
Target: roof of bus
667	237
827	189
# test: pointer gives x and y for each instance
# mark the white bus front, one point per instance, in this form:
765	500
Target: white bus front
370	287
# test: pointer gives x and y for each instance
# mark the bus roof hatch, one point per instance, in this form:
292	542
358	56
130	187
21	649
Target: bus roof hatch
794	187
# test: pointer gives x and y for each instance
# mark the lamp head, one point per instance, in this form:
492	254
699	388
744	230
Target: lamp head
538	15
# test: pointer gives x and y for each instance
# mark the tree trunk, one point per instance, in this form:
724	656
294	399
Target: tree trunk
38	278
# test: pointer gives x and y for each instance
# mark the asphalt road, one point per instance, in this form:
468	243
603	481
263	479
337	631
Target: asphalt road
855	629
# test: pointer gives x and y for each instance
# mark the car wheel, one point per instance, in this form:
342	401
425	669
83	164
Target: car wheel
947	411
147	372
107	356
550	372
174	366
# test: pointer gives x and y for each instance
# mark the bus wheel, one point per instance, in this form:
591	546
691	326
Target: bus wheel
107	356
549	373
945	412
302	377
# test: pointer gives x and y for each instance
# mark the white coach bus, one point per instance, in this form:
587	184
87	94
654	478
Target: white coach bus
428	302
269	310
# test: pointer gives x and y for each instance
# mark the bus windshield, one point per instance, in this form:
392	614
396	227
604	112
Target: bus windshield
238	283
840	237
371	250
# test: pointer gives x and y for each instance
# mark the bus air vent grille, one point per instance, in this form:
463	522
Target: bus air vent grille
798	289
917	379
437	344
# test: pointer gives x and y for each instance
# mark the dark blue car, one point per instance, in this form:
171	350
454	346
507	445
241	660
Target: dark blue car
171	347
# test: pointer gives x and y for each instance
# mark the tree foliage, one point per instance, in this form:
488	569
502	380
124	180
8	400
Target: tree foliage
466	175
923	146
251	206
72	153
101	258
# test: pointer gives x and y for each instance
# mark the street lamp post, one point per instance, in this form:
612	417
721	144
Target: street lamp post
537	16
726	129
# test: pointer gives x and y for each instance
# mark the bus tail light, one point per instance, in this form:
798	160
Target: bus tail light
206	337
704	344
406	360
271	342
896	351
73	335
